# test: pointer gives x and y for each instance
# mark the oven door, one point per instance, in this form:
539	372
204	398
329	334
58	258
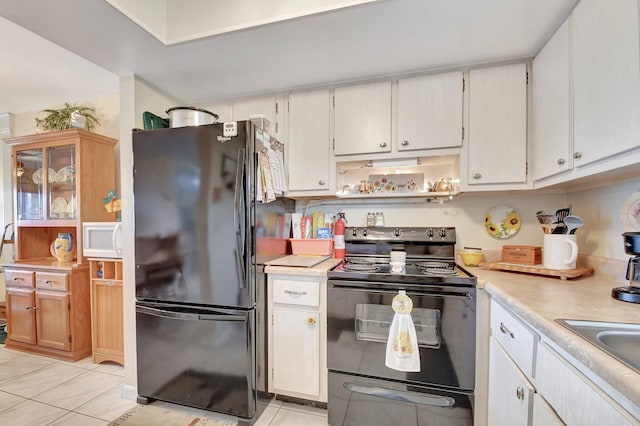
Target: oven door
363	401
360	316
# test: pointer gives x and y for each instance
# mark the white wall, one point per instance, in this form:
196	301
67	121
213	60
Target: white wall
601	209
136	96
107	110
465	212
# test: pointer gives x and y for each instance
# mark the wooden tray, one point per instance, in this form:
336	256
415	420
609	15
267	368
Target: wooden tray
538	270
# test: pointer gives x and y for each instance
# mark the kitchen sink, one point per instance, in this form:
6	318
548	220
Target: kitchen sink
620	340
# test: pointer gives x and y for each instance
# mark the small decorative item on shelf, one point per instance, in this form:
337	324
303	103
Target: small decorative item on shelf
113	204
70	116
62	247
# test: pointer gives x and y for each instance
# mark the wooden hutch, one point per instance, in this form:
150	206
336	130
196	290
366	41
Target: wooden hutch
59	181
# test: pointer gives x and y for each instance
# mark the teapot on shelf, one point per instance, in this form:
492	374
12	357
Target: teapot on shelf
62	247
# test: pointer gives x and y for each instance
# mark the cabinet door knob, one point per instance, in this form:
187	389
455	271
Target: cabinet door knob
519	393
476	176
505	330
321	182
405	143
383	144
311	321
560	161
577	155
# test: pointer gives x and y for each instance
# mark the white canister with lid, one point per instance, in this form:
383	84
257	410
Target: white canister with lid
379	219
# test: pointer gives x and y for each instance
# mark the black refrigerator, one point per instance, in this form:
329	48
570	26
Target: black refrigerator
196	212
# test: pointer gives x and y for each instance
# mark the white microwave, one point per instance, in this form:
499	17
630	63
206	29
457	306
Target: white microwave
102	239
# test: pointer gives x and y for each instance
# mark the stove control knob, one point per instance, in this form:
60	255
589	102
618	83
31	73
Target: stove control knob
443	233
353	232
396	232
365	231
430	232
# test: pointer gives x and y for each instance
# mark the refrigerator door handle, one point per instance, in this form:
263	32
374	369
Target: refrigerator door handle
238	217
189	316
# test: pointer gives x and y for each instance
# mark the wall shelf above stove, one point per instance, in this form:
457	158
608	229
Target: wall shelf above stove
431	179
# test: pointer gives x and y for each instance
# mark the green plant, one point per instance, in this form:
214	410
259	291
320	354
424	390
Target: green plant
60	119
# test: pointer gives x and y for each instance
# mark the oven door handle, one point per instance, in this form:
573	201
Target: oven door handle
405	396
370	290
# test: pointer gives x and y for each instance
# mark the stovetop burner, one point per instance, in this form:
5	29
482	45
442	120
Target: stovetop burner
435	265
360	266
439	272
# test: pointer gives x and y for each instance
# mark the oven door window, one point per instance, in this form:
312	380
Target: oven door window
372	324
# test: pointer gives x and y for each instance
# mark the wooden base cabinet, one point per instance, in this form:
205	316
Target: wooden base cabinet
297	333
106	311
48	310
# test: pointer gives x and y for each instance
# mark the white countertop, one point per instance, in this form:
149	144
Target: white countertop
540	301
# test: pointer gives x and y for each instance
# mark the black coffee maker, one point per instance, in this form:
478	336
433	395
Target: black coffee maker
630	293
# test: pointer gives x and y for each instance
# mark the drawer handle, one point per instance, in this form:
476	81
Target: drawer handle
48	282
17	279
109	283
311	321
519	393
29	308
383	144
505	330
296	293
476	176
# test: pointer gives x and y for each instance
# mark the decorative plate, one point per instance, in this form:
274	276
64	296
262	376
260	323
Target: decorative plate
630	213
65	174
59	207
502	222
37	176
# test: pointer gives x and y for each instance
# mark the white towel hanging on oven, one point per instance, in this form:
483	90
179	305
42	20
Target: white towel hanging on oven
402	344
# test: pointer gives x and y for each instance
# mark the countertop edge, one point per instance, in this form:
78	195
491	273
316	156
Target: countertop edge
318	270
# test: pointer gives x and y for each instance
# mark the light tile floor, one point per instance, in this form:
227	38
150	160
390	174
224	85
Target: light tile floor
36	390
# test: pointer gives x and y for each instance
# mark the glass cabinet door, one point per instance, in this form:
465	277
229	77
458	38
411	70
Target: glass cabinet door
29	184
61	187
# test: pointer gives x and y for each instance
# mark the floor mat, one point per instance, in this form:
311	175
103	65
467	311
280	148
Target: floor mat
145	415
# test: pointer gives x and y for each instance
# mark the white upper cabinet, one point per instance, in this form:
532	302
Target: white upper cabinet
497	137
430	112
362	119
311	168
551	150
606	79
268	106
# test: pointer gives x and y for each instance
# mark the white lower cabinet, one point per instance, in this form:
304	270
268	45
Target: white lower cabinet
297	337
574	397
510	393
543	414
530	383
